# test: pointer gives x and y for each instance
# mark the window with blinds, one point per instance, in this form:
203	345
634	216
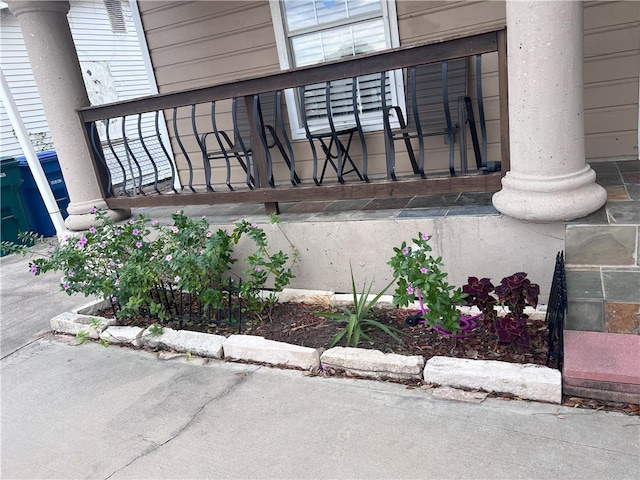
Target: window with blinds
315	31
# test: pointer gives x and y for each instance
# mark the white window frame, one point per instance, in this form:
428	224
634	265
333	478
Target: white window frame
285	57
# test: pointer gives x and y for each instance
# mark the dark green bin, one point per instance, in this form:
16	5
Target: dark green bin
14	218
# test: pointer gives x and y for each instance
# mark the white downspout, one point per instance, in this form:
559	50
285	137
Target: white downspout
32	159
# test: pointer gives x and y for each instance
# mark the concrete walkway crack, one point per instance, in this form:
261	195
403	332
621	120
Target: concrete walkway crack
242	379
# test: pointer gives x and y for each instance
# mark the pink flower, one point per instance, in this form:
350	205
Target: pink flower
116	232
121	265
174	229
93	210
254	225
424	270
410	290
92	230
425	237
34	269
169	257
177	279
66	286
208	234
103	245
138	244
405	251
114	299
154	222
258	269
117	282
135	231
132	221
70	273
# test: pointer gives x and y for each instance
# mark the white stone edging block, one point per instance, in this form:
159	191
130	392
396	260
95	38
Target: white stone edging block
259	349
74	323
196	343
533	382
373	363
123	335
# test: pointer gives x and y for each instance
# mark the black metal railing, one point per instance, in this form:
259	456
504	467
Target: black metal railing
556	311
184	307
222	137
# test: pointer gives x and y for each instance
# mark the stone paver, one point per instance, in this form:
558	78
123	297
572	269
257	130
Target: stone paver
123	335
258	349
73	323
533	382
196	343
373	363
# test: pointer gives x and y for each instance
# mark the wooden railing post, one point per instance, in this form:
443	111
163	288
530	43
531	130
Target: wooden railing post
259	156
503	89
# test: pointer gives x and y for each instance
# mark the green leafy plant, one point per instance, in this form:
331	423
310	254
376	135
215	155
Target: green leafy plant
131	262
358	320
515	292
155	330
82	337
420	277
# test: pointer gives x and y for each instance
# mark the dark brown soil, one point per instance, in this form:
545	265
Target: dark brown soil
300	324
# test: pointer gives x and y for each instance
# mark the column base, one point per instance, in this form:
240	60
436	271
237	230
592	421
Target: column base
549	199
81	218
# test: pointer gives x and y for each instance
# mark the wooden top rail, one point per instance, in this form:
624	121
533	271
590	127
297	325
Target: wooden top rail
345	68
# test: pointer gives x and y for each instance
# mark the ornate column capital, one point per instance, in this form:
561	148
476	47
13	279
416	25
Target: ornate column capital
18	7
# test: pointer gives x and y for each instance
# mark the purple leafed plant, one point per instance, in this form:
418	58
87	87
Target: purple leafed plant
515	292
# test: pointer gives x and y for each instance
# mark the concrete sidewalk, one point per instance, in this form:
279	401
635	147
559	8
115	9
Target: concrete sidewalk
90	412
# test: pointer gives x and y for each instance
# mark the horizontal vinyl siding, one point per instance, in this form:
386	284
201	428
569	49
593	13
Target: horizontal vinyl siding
611	69
194	44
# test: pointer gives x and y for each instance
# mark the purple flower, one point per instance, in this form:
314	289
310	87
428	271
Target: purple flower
132	221
254	225
103	245
117	282
114	299
410	290
177	279
424	270
208	234
154	222
174	229
425	237
93	210
116	232
258	269
169	257
138	244
135	231
121	265
82	242
71	273
405	251
66	286
92	230
227	233
34	269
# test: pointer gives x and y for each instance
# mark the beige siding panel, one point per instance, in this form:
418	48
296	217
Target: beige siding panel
612	146
607	14
420	21
612	64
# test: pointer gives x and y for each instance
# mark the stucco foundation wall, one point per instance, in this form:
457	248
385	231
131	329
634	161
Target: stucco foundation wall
484	246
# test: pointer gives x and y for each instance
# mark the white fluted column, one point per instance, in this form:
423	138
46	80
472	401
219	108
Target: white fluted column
56	69
549	179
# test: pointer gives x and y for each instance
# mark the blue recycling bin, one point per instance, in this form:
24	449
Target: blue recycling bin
36	210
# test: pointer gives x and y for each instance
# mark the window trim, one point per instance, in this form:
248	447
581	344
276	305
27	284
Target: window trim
285	58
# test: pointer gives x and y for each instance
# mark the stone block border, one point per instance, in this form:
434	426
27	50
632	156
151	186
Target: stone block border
531	382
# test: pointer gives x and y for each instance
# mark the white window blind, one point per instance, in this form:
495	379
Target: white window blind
309	32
